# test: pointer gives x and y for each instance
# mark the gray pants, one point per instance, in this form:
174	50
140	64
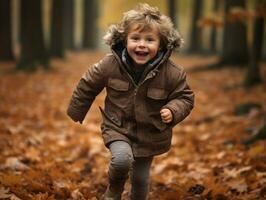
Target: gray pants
123	163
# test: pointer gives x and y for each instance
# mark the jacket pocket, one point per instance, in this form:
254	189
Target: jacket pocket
118	94
118	84
114	119
157	98
157	93
158	123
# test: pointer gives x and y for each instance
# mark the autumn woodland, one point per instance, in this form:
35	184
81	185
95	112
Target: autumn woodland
217	153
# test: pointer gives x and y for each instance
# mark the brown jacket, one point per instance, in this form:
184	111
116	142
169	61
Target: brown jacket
132	112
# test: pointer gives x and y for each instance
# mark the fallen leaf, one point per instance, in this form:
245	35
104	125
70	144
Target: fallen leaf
10	180
77	195
257	149
14	197
238	186
4	193
14	163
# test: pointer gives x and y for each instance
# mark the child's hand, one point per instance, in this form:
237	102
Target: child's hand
166	115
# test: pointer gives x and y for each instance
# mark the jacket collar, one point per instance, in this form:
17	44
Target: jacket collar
151	70
127	60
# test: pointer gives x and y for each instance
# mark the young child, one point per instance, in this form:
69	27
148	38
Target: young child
147	95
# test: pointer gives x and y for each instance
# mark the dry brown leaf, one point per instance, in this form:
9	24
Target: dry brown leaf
43	196
233	173
14	197
4	193
33	155
238	185
257	149
77	195
10	180
14	163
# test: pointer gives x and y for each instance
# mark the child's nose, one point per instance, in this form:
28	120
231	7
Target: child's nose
141	43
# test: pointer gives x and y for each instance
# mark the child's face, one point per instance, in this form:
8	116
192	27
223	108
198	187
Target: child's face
142	46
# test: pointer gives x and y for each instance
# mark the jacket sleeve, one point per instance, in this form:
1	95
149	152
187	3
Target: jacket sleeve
89	86
181	100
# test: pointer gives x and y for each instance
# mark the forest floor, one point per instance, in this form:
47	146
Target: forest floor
46	156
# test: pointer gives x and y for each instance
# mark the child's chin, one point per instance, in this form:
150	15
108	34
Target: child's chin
141	63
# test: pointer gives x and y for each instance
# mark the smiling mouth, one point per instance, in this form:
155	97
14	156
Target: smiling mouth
141	53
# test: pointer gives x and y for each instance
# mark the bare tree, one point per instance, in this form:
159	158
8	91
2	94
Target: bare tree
90	30
58	38
5	31
253	72
33	51
213	43
196	32
69	24
235	50
172	11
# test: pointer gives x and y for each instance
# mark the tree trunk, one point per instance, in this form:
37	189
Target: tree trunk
58	37
90	30
235	51
196	32
5	31
33	51
253	72
213	43
172	11
69	24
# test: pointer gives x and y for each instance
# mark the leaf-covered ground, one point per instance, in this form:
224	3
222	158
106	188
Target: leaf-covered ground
45	156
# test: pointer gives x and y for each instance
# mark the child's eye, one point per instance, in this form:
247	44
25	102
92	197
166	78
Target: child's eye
150	39
134	38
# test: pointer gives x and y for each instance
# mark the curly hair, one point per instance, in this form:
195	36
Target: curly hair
145	17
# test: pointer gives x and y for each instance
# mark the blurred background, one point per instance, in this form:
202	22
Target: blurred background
33	31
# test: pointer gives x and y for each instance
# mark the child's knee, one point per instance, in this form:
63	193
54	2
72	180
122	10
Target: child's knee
121	162
122	157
